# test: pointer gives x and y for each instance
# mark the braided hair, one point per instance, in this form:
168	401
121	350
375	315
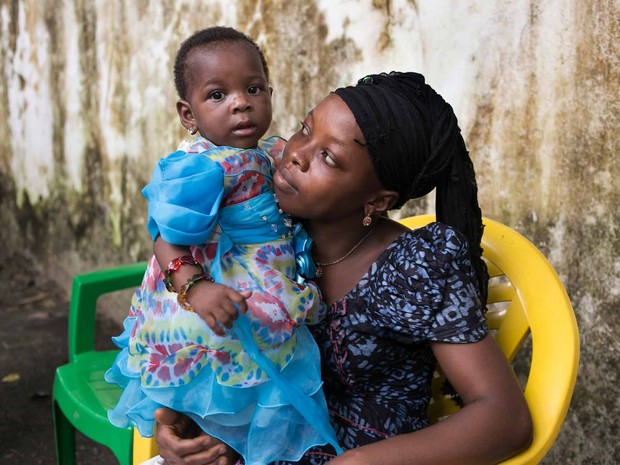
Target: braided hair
415	144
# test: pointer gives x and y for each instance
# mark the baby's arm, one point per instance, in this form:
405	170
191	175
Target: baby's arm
214	303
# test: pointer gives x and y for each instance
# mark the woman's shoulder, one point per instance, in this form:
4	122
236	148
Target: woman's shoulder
435	239
417	273
434	250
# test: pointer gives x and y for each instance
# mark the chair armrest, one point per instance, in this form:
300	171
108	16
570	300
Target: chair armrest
87	288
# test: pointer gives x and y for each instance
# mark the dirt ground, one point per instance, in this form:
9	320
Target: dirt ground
33	331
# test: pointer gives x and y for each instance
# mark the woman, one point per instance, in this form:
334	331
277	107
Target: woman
399	300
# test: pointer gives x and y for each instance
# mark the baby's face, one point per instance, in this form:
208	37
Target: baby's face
228	94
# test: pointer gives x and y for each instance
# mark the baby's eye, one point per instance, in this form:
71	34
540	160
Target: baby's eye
253	90
216	95
327	158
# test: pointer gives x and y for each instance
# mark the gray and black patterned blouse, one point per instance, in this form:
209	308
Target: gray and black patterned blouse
377	363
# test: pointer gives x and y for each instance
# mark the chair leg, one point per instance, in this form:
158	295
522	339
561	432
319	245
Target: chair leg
64	435
125	456
120	442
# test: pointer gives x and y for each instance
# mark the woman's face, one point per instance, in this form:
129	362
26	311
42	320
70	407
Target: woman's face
325	172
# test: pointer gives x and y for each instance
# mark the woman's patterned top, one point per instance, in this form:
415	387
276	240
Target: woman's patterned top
377	363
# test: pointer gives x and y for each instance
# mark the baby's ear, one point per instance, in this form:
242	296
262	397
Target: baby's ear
271	91
186	115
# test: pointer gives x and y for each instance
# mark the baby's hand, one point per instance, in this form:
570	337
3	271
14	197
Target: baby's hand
215	303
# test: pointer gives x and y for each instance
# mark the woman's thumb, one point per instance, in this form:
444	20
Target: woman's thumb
165	416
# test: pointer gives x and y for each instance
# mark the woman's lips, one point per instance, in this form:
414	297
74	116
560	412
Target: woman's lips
282	181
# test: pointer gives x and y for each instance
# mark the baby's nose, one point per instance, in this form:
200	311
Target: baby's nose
241	102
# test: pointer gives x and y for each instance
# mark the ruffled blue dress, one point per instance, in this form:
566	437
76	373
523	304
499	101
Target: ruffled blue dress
258	388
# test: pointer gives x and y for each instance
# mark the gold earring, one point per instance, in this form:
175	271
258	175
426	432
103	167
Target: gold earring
191	131
367	221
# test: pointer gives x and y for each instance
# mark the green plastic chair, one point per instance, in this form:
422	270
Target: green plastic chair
81	397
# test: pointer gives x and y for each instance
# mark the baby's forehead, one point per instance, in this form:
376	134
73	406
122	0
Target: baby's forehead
227	50
223	46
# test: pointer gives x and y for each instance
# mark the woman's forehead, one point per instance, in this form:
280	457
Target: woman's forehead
338	120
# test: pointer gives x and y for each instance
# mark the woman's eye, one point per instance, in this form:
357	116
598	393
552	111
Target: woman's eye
304	129
216	95
327	158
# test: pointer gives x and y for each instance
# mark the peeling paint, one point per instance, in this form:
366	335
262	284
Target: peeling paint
87	107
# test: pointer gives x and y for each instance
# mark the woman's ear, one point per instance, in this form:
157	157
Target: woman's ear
381	202
186	115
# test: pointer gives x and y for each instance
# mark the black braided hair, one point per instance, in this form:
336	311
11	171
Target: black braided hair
415	145
206	37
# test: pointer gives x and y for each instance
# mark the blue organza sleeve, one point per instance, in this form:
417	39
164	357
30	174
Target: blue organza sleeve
184	197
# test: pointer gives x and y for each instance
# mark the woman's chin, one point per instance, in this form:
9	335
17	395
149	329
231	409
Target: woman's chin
286	201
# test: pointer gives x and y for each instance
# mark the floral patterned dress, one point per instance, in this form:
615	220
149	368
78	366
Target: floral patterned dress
222	197
376	359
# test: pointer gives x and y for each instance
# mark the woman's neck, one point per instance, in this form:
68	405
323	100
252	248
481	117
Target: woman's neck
333	239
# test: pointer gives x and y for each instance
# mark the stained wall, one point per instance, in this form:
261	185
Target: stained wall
87	107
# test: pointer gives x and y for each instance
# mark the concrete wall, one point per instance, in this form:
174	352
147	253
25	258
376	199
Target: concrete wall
87	106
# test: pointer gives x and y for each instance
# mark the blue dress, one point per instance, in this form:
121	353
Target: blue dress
222	198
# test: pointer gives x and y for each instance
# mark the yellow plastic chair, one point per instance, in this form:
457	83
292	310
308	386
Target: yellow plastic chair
530	300
81	397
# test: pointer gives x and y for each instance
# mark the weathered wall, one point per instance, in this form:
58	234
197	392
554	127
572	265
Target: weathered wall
87	106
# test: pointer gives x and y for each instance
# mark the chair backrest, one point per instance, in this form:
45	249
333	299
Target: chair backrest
87	288
526	297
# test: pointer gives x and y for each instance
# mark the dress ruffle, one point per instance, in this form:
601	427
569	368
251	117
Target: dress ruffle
245	418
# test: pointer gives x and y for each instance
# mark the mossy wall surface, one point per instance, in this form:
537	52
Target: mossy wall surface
87	107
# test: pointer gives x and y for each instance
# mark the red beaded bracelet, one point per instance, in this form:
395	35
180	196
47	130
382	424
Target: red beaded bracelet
182	295
174	266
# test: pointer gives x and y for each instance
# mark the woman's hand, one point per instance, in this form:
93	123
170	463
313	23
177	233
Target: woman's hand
200	450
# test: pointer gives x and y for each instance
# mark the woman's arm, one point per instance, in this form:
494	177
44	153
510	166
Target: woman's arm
494	424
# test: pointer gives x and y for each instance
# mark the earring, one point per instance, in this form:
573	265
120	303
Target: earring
367	221
191	131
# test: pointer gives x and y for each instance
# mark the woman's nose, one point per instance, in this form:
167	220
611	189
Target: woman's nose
298	156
